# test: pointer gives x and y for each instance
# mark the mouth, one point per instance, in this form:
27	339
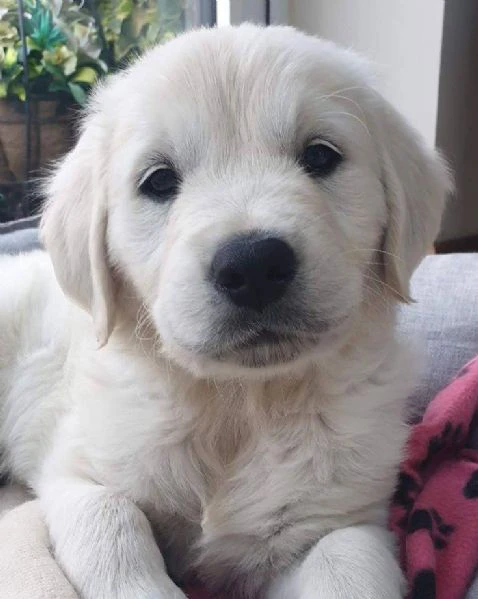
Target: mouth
267	348
259	338
256	343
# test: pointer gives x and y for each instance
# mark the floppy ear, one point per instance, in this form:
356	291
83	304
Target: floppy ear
416	181
73	228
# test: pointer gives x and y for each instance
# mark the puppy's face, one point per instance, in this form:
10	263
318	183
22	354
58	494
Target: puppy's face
242	191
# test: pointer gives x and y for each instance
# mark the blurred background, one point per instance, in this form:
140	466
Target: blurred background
52	51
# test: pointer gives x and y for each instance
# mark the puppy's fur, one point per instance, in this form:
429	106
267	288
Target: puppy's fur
262	470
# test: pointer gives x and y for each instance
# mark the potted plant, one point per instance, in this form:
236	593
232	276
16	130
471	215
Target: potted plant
47	70
43	77
129	27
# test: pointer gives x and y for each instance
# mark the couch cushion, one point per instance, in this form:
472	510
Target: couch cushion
19	241
444	318
28	569
31	222
19	236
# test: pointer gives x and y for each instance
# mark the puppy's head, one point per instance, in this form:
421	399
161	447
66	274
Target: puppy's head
252	190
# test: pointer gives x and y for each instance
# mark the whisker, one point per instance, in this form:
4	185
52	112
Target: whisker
382	299
347	99
375	289
341	91
147	342
387	285
352	116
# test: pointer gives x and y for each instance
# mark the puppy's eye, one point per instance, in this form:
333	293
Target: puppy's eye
160	185
321	158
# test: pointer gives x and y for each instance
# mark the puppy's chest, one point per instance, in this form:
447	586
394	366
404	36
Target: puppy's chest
228	483
235	494
239	490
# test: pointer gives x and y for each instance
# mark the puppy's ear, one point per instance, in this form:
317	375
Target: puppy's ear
416	181
73	227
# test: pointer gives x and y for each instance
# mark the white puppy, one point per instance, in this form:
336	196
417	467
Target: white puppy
235	226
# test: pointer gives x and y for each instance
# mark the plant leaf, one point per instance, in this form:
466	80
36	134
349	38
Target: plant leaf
58	86
77	92
17	89
85	75
8	34
124	9
54	70
13	72
69	66
32	45
11	57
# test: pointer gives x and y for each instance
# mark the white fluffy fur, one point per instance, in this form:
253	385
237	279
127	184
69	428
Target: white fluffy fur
269	481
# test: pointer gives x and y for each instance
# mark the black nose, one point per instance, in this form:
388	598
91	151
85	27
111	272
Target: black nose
253	271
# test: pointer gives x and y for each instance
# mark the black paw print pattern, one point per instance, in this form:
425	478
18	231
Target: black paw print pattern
449	437
471	488
404	496
431	520
472	440
424	585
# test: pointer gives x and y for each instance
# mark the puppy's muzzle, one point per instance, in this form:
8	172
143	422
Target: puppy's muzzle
253	270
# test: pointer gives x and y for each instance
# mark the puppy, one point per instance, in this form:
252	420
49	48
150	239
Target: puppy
201	378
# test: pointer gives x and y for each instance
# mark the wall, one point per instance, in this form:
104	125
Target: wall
457	131
403	39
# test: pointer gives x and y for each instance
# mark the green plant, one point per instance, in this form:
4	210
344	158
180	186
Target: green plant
63	50
70	43
132	26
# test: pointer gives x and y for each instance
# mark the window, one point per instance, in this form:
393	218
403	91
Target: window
267	12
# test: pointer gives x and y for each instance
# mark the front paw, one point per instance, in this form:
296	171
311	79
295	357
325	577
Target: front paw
352	563
332	586
139	589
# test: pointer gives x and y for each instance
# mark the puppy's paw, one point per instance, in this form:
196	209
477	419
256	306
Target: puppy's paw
351	563
343	587
140	589
330	585
104	543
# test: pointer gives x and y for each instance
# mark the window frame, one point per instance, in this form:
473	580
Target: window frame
207	11
266	12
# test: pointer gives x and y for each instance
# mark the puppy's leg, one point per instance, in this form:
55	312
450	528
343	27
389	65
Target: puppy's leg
350	563
104	542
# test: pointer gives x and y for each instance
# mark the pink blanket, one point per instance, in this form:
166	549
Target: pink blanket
435	508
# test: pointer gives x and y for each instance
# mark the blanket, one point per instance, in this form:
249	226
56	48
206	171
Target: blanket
435	508
27	568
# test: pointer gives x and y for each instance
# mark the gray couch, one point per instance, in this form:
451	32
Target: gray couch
444	317
19	236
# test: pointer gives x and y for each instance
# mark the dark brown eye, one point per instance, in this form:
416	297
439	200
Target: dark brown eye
161	185
321	158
